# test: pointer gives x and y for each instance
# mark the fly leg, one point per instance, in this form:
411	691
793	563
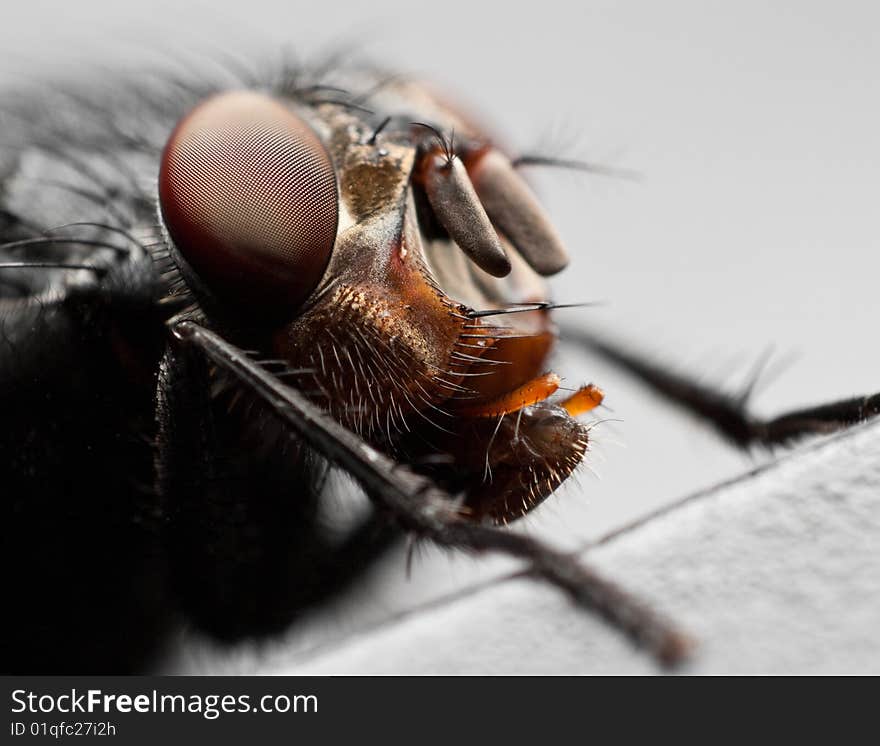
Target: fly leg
420	506
244	535
729	414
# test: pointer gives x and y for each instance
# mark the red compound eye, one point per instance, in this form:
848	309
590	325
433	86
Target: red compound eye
248	194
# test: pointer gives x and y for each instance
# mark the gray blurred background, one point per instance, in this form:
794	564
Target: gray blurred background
753	127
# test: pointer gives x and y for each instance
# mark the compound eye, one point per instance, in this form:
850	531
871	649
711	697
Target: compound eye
248	193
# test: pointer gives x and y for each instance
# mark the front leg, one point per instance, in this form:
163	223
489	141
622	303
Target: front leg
247	547
421	507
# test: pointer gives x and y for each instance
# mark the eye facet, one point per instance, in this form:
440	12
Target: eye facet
249	195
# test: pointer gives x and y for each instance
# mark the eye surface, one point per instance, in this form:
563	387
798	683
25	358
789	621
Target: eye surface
249	195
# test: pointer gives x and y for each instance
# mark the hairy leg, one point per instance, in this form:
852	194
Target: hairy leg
421	507
729	414
247	544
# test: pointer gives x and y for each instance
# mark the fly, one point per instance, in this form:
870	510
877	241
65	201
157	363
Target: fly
213	294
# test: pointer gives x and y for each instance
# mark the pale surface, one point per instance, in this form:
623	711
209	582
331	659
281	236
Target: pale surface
776	572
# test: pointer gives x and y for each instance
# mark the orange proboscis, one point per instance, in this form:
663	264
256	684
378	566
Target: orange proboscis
532	392
583	400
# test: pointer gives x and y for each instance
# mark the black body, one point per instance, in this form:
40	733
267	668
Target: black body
85	569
